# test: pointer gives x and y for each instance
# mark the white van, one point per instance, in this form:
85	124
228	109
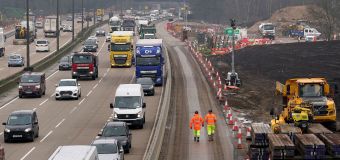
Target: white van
75	152
128	105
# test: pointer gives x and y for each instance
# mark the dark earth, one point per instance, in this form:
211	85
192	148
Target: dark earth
259	67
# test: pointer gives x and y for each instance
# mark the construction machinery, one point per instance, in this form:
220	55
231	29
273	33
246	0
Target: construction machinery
21	33
306	100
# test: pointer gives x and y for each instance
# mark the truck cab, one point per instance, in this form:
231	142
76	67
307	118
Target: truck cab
147	32
150	60
267	30
121	49
84	64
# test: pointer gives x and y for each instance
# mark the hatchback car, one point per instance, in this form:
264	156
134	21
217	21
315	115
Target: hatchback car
119	131
100	32
65	63
22	124
147	84
108	38
109	148
90	45
68	88
42	45
67	28
32	83
16	60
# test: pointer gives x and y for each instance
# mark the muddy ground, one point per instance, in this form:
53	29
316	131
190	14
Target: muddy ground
260	66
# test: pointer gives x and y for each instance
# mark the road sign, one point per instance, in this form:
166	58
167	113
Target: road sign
229	31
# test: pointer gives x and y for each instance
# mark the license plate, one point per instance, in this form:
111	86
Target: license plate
17	136
66	94
29	92
129	123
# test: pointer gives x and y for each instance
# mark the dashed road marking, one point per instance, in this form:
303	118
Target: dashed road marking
89	93
100	80
9	102
81	101
60	123
43	102
50	132
34	109
52	74
73	110
95	86
1	133
29	152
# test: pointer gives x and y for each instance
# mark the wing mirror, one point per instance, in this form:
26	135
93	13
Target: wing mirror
111	105
144	105
78	84
4	123
121	150
35	122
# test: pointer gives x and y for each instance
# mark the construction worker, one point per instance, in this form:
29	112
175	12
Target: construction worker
210	119
197	122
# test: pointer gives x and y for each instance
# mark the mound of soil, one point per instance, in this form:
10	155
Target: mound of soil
259	67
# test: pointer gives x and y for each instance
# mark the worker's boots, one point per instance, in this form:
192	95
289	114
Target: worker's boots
198	139
195	139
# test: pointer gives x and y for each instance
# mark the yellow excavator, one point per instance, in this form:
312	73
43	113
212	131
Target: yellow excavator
305	100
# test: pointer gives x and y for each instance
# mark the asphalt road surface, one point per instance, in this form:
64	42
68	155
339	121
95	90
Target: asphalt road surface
190	92
73	122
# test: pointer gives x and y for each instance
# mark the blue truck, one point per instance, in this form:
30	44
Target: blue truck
150	60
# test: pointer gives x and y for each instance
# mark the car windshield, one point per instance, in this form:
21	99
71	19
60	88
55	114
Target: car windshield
14	57
148	61
114	23
19	119
41	42
112	131
90	42
147	81
120	47
64	59
82	59
106	148
127	102
268	27
149	36
30	79
311	90
67	83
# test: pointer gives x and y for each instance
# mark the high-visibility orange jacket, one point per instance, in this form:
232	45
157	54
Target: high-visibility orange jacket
210	119
197	121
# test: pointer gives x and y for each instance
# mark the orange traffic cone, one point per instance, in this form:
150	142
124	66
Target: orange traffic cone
239	142
235	127
248	135
231	121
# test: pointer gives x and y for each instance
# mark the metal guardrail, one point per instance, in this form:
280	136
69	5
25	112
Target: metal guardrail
10	82
9	34
154	146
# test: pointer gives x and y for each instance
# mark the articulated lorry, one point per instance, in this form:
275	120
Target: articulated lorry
115	24
50	26
2	42
121	49
150	59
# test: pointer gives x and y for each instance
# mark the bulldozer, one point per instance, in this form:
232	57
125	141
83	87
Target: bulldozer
306	100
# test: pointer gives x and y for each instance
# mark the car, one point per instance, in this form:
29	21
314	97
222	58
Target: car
65	63
100	32
147	84
39	24
119	131
16	60
108	38
62	26
67	28
90	45
69	18
67	89
109	148
42	45
21	125
79	19
32	84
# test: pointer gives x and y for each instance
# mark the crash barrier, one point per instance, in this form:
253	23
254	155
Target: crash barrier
2	153
10	82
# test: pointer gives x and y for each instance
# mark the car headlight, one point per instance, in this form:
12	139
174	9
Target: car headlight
37	86
7	130
20	87
115	115
139	114
151	87
28	129
75	90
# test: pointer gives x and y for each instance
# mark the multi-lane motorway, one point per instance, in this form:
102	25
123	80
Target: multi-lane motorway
77	121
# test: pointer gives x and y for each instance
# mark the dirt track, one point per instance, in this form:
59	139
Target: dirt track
260	66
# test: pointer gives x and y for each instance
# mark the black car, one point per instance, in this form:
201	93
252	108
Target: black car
32	84
65	63
22	124
90	45
119	131
147	84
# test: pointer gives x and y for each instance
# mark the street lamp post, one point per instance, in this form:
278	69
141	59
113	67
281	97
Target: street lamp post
72	20
58	28
82	14
27	37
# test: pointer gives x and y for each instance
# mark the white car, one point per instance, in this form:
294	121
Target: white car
42	45
67	88
109	148
108	37
67	28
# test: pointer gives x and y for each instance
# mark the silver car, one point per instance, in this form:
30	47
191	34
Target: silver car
16	60
108	149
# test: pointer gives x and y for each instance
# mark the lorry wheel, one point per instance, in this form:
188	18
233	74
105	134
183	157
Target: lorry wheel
127	150
20	96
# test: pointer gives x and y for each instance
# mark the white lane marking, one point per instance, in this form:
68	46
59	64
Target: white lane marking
105	74
81	101
1	133
9	102
34	109
108	70
73	110
42	140
52	74
95	86
89	93
52	95
60	123
100	79
100	49
43	102
29	152
1	69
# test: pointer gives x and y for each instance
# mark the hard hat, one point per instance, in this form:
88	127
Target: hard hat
210	110
196	112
